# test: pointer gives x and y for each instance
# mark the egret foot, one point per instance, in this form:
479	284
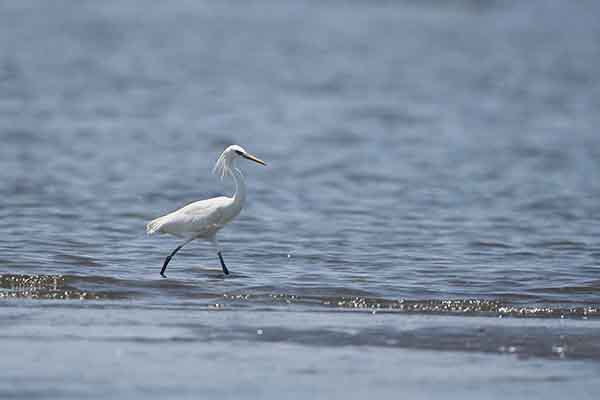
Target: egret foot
225	270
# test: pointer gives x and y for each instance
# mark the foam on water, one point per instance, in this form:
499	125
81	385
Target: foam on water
65	287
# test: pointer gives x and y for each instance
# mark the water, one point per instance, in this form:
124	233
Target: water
428	221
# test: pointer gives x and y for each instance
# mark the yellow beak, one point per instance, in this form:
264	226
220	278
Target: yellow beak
255	159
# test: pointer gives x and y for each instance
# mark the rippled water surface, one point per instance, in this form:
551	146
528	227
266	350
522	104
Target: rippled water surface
432	166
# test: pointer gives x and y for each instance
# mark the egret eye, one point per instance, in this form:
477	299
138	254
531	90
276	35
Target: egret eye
239	153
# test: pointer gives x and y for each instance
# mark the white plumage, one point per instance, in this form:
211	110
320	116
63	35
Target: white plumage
203	219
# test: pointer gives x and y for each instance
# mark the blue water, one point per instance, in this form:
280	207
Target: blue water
432	166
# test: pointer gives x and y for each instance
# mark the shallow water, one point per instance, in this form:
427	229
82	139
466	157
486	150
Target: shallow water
432	167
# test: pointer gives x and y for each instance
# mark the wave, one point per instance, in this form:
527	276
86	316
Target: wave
86	287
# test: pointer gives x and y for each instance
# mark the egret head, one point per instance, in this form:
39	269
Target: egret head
227	158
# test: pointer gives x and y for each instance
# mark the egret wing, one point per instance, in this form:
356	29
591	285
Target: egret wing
206	214
198	218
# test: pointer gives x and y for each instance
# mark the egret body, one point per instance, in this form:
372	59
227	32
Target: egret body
203	219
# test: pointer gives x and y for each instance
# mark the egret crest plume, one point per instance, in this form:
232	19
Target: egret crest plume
221	167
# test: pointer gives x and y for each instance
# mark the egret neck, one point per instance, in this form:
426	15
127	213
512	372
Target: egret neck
239	197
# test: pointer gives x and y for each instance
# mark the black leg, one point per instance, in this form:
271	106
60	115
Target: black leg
168	259
225	270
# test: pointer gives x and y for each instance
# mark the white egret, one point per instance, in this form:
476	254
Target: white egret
203	219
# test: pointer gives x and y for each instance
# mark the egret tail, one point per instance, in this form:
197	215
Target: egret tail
154	225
